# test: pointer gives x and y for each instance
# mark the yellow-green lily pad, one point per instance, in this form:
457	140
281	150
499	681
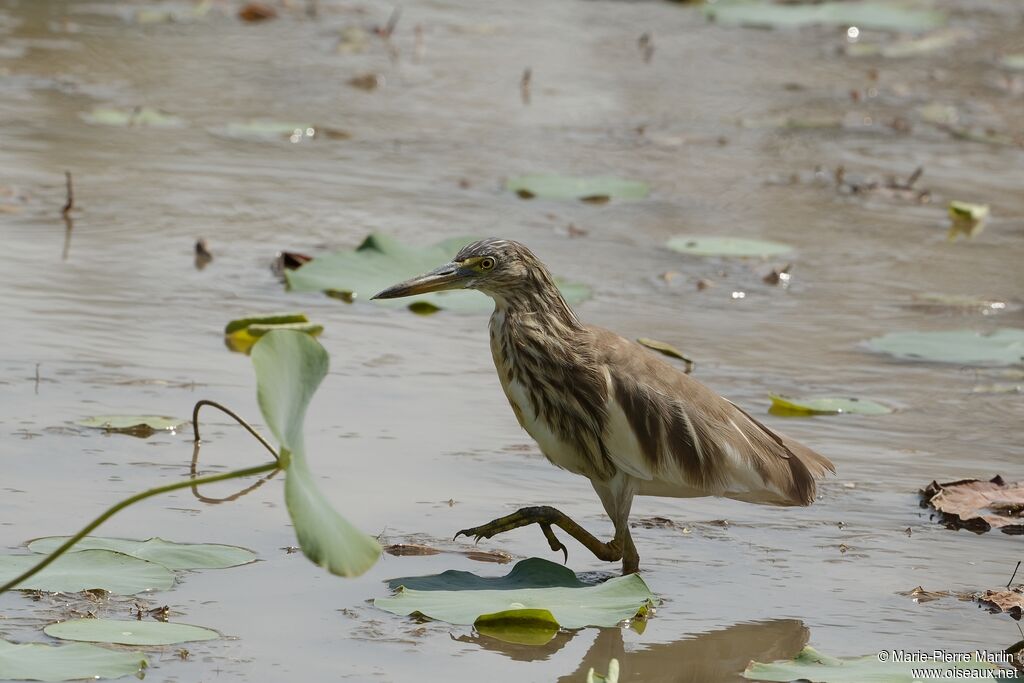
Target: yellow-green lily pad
241	334
133	632
826	406
966	218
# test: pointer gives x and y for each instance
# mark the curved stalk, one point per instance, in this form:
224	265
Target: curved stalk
194	470
114	509
249	428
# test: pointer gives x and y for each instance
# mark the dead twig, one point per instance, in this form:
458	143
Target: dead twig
524	85
70	203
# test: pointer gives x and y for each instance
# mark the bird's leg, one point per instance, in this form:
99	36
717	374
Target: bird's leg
546	516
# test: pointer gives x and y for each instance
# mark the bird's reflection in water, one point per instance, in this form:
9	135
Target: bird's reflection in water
713	657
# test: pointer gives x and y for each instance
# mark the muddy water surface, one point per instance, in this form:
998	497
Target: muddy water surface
410	431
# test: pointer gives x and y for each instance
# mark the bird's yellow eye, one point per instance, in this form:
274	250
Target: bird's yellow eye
486	263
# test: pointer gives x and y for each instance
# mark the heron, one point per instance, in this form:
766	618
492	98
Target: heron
609	409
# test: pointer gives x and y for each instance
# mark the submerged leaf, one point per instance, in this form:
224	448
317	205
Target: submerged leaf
38	662
605	604
1003	346
521	626
88	570
134	632
815	667
289	367
591	190
139	116
886	16
135	425
168	553
726	246
381	261
978	505
826	406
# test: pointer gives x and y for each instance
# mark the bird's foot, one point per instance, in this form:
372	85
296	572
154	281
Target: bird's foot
546	517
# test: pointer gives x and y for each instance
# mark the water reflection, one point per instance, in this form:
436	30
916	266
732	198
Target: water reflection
702	658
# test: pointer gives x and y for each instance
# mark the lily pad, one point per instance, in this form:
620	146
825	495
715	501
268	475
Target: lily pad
978	506
606	604
666	349
533	572
133	632
128	118
89	570
241	334
136	425
38	662
381	261
886	16
966	218
611	677
815	667
167	553
827	406
1004	346
289	367
592	190
726	246
909	47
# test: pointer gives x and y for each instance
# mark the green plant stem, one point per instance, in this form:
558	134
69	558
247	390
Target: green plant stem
249	428
111	511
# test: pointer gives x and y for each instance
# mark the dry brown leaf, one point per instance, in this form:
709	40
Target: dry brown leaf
257	11
1007	601
978	506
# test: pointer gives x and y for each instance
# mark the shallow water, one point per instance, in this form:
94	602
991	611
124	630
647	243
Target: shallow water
411	416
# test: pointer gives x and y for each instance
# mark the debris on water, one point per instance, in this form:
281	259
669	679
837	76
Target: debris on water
920	595
524	85
978	506
257	11
69	203
367	82
891	186
646	44
288	260
203	255
779	276
1006	601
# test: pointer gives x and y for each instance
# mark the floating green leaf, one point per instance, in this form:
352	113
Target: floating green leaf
1004	346
886	16
666	349
611	677
826	406
811	665
167	553
133	632
139	116
289	367
966	218
726	246
89	570
381	261
136	425
521	626
605	604
593	190
241	334
38	662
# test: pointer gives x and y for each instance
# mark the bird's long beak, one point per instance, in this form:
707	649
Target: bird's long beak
448	276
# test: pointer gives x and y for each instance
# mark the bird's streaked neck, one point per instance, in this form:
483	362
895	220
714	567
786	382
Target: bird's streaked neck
538	298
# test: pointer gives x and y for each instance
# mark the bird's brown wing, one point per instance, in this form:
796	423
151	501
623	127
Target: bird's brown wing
682	439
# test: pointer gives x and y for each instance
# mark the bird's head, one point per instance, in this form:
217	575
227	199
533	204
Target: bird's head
496	267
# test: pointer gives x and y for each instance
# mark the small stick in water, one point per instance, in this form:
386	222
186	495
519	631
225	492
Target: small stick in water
646	45
70	203
1014	575
524	85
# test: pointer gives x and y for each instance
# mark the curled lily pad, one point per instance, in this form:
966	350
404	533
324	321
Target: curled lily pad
966	218
886	16
1004	346
241	334
127	118
826	406
167	553
89	570
726	246
38	662
133	632
666	349
592	190
381	261
606	604
136	425
289	367
815	667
